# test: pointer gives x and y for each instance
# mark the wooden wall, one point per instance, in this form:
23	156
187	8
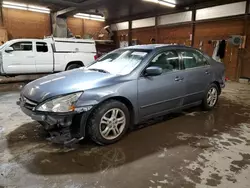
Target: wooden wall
144	35
26	24
175	34
85	27
76	26
219	30
236	60
244	57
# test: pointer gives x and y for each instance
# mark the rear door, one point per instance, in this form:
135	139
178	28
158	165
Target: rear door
21	60
44	57
197	73
160	94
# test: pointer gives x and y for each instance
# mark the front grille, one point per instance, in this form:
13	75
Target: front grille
28	103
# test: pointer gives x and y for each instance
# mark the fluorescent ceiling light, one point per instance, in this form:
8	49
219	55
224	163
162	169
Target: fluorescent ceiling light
169	3
37	10
153	1
7	4
38	7
14	4
90	17
15	7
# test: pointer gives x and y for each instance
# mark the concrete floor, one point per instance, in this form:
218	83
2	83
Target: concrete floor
192	149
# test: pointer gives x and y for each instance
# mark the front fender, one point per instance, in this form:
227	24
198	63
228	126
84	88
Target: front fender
90	99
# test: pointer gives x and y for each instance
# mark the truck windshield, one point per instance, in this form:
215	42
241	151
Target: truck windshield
119	62
2	46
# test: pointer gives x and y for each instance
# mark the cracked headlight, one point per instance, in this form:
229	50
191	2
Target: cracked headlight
60	104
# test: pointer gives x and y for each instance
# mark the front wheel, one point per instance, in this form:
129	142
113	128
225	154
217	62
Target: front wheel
109	122
211	97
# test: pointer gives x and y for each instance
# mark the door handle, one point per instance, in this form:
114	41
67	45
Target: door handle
177	79
30	56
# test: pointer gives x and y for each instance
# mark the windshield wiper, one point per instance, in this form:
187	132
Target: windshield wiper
100	70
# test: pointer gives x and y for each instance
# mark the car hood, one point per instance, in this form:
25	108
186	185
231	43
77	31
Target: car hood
65	83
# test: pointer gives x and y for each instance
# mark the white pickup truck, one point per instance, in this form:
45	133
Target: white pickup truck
49	55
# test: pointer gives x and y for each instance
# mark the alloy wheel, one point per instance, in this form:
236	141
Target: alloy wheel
212	97
112	124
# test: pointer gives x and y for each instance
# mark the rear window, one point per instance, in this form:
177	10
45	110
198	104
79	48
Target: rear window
41	47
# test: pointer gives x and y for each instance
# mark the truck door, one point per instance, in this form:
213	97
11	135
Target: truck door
21	60
44	57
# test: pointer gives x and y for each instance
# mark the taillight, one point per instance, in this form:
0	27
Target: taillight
96	57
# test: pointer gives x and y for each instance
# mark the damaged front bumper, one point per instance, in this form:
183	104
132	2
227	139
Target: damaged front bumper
64	128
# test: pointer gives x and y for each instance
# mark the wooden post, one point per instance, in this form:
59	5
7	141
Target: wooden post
130	33
1	16
193	27
156	29
239	66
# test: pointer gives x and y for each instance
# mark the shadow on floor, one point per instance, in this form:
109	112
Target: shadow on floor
27	143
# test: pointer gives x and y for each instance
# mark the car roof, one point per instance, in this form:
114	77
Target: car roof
156	46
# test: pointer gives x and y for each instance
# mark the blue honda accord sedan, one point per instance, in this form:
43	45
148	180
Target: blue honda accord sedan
121	89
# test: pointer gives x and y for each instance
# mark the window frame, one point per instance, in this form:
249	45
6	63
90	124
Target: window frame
32	48
44	43
156	54
192	50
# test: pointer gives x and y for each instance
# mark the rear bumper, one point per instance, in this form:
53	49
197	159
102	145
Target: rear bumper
222	85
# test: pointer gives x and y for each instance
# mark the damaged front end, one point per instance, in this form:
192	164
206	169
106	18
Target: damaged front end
64	126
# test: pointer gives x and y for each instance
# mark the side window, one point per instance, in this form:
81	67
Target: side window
192	59
168	61
41	47
22	46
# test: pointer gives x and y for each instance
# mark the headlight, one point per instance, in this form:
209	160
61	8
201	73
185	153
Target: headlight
61	104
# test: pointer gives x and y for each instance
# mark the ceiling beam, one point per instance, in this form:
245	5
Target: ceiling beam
60	2
65	11
75	7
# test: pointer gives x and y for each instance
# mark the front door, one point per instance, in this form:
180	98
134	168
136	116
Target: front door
160	94
197	74
21	60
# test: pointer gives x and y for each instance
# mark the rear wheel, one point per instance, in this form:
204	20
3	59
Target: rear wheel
109	122
211	97
73	66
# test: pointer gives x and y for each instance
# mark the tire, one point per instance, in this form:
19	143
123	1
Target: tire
213	93
104	113
73	66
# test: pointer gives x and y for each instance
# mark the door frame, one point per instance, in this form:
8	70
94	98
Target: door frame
5	54
141	76
206	66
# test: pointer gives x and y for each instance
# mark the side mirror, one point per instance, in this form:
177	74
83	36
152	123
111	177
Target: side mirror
9	49
153	71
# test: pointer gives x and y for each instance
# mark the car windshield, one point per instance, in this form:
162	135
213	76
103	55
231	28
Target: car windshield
120	62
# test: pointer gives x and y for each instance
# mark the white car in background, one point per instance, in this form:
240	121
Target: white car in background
49	55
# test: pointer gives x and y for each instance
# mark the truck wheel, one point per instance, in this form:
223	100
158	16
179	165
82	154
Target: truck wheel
73	66
109	122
